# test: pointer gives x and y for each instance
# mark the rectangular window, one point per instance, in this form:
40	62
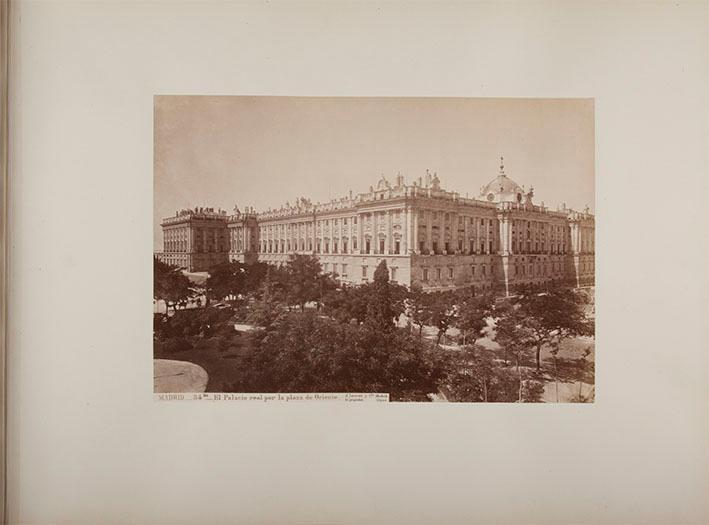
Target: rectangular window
471	247
438	274
334	267
448	249
484	270
472	270
344	270
425	274
355	220
393	273
364	272
397	247
381	245
334	247
367	246
344	245
450	273
354	243
435	247
422	246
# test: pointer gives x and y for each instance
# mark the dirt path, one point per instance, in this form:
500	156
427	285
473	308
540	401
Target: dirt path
178	376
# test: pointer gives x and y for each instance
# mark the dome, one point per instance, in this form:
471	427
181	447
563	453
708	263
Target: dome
502	189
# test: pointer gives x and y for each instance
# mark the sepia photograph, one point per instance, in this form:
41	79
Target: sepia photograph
374	249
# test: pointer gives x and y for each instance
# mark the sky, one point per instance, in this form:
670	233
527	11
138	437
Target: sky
222	151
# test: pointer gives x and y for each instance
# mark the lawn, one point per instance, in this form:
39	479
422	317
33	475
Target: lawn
222	366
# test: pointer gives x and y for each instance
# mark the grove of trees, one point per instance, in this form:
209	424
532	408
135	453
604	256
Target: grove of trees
315	334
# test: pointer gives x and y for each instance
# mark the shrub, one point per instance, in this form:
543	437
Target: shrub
173	345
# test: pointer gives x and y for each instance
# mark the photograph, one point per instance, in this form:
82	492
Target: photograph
374	248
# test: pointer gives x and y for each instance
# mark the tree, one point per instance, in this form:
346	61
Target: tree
385	300
473	313
170	285
347	303
550	317
306	352
442	312
305	281
515	337
268	307
255	274
417	307
226	280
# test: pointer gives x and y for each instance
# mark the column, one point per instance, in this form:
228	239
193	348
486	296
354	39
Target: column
360	233
314	234
415	230
429	230
406	229
466	237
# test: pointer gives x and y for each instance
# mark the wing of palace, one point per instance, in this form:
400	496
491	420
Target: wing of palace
497	241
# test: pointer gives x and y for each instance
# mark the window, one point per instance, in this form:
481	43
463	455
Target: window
460	245
364	272
397	247
334	267
450	273
344	245
448	248
354	243
472	247
425	274
484	270
482	246
344	270
393	273
344	221
438	274
422	246
435	246
355	220
334	246
367	246
381	245
472	270
490	247
327	247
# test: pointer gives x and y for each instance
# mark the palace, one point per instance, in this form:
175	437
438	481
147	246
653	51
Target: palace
427	235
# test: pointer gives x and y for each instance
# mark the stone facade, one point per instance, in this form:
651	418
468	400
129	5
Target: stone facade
427	235
195	239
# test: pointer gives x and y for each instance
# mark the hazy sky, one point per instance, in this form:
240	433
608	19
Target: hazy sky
264	151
